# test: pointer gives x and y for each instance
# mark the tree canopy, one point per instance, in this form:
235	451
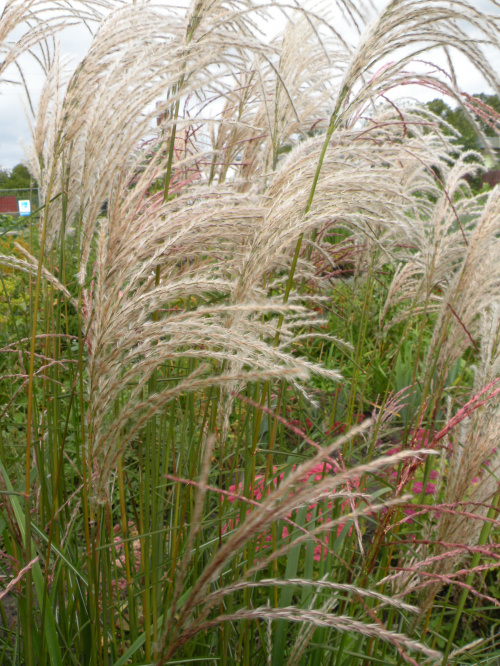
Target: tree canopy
16	178
458	119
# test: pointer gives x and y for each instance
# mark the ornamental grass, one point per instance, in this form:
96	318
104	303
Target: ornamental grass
250	354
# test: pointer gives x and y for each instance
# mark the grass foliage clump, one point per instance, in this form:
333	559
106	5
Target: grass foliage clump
250	353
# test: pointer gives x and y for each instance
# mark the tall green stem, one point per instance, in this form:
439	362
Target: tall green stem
29	426
483	538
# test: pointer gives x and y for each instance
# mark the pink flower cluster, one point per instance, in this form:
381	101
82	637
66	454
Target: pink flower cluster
418	486
318	472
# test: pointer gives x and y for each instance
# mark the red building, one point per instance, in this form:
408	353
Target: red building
8	204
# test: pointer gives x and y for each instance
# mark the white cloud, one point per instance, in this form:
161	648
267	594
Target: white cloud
14	126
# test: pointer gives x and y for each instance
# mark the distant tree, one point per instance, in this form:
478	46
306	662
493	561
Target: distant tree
16	178
458	119
494	102
4	177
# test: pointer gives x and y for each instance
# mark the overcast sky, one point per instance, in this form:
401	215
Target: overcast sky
14	127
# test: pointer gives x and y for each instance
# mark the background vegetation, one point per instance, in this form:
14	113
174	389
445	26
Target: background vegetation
16	178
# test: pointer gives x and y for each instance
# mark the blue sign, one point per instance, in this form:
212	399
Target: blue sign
24	207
